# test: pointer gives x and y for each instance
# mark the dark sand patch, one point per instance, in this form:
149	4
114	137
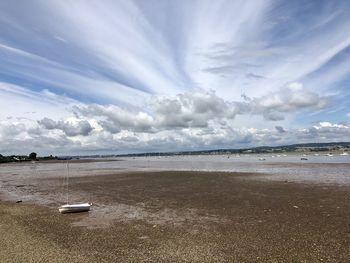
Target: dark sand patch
184	217
79	161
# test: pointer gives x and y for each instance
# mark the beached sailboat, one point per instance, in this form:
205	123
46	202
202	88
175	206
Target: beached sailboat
73	208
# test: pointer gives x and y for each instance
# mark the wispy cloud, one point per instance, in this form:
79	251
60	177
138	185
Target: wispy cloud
124	72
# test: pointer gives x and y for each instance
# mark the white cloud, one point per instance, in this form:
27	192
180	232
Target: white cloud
198	109
11	129
70	128
62	137
114	118
326	125
191	109
189	120
290	98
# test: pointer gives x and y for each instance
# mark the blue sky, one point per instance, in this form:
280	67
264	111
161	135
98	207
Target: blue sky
134	76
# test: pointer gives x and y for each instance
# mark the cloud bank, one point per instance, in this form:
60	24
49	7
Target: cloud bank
187	121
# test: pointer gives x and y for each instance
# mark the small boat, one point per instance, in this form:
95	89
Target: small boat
303	159
344	153
74	208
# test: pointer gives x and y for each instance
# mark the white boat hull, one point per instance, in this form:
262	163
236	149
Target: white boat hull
74	208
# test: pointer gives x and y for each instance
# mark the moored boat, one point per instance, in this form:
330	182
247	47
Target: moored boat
74	208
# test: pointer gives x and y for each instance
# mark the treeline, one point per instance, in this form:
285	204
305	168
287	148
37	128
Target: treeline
25	158
311	147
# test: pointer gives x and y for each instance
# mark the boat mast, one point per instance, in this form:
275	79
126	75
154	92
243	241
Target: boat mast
67	182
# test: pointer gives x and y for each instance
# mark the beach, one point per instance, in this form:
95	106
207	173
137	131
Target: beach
175	216
174	131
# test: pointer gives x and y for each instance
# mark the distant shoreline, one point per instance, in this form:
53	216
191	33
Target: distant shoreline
304	148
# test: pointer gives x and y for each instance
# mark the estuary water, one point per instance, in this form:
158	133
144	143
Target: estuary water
316	169
45	182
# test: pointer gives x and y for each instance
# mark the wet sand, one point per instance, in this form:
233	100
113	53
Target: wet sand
85	160
181	216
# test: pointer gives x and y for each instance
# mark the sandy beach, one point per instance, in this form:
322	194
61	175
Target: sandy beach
171	131
181	216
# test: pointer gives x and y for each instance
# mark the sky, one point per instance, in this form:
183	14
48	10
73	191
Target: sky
112	77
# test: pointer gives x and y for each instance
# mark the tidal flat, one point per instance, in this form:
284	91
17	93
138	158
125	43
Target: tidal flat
149	214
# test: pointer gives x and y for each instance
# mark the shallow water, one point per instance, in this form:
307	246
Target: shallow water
319	169
27	179
45	183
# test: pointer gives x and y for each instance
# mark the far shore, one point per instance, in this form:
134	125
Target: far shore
73	160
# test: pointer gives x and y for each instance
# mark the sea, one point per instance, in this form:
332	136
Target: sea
320	169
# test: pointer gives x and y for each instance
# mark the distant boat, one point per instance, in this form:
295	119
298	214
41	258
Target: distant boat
73	208
329	154
344	153
262	159
303	159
